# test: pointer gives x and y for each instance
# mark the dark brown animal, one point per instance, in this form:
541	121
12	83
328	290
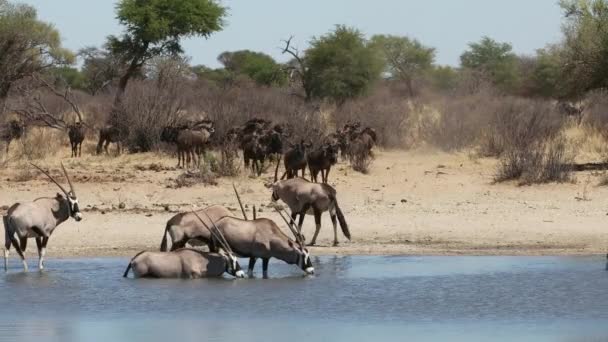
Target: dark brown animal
12	130
76	133
255	153
190	143
321	160
111	134
295	160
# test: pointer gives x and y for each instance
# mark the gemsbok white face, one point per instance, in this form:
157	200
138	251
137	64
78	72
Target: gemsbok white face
74	209
234	268
305	263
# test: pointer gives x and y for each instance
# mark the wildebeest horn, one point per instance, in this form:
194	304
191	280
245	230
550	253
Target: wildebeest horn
296	235
217	234
51	178
238	197
69	181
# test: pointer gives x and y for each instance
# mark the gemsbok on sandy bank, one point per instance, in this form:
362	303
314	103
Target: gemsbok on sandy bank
38	219
303	197
186	262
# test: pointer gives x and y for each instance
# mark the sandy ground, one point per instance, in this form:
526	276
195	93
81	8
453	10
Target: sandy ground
419	202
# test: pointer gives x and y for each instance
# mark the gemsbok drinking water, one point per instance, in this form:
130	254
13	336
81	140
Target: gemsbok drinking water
38	219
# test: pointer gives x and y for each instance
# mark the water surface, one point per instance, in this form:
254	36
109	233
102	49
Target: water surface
350	299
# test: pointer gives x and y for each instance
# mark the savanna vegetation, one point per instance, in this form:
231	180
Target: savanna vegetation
497	103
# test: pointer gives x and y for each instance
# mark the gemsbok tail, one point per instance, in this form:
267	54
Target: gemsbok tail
124	275
163	243
341	219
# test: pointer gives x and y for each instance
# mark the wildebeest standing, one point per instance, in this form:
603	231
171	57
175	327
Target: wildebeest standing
38	219
111	134
12	130
303	197
254	153
321	160
76	133
295	160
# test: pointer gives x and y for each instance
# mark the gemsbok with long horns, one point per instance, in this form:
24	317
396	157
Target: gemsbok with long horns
261	238
38	219
304	197
186	262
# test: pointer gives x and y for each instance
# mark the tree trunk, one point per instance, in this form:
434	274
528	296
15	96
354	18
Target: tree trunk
4	90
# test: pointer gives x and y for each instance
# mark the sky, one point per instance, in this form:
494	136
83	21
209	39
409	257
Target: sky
447	25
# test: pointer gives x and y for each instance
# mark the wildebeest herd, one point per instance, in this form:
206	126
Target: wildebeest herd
227	237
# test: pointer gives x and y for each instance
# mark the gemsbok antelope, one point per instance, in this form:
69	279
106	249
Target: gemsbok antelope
263	239
303	197
38	219
186	262
184	227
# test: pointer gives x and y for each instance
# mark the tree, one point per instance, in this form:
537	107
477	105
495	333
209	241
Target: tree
67	76
585	45
444	78
156	27
260	67
100	68
27	46
340	65
493	61
404	58
541	75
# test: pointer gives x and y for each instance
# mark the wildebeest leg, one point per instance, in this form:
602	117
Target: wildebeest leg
303	172
80	149
317	213
251	265
105	147
327	175
265	267
7	242
302	214
15	243
8	143
334	221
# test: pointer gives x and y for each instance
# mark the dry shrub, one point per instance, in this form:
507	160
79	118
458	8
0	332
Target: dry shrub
204	175
534	149
229	164
385	110
40	143
596	116
464	122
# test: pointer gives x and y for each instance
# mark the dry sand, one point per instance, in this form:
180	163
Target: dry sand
418	202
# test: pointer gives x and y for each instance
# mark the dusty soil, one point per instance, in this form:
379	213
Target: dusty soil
419	202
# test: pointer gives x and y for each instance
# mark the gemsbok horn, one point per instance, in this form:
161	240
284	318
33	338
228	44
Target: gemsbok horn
38	219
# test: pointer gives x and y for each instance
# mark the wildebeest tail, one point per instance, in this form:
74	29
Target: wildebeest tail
341	219
163	243
124	275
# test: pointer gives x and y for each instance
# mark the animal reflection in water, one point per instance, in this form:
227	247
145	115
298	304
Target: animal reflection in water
187	263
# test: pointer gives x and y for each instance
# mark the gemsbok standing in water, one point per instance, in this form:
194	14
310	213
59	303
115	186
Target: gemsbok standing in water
304	197
38	219
262	239
186	262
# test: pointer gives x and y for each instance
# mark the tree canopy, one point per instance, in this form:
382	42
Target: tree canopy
341	65
585	45
27	44
260	67
494	61
156	27
404	58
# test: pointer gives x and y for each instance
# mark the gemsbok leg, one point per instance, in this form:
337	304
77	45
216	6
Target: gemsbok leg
265	267
250	268
334	221
7	242
41	244
15	243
